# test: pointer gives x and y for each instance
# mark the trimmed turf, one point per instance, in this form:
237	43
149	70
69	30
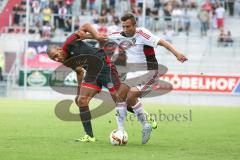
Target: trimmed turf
30	130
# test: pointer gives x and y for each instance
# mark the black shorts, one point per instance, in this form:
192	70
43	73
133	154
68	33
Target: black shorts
107	77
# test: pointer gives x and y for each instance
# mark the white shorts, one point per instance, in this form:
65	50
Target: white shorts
142	80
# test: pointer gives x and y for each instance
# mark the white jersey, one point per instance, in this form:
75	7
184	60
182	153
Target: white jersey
134	45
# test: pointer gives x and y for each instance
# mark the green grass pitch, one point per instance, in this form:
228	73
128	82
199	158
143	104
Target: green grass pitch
29	130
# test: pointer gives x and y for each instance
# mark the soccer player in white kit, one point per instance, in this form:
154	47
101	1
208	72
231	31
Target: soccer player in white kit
134	40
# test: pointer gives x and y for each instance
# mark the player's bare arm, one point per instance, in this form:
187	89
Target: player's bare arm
173	50
80	74
88	31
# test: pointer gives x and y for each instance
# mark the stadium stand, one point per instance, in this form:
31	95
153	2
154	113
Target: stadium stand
6	12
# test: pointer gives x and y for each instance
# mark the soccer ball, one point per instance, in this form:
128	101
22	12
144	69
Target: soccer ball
118	137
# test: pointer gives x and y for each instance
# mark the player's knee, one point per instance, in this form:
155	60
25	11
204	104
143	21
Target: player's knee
132	97
121	97
82	101
121	93
130	102
133	93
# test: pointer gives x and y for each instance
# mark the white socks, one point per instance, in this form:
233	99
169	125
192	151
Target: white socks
139	112
121	113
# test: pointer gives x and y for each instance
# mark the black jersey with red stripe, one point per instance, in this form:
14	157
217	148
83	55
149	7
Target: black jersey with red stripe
79	52
99	69
74	46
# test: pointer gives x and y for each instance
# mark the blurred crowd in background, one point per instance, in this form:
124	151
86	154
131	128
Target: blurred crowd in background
170	16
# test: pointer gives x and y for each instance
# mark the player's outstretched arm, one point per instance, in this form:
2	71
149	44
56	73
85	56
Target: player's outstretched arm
173	50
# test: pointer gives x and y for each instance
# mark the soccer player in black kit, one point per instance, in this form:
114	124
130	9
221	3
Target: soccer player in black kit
77	55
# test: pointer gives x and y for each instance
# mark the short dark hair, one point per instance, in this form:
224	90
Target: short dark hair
128	16
49	48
